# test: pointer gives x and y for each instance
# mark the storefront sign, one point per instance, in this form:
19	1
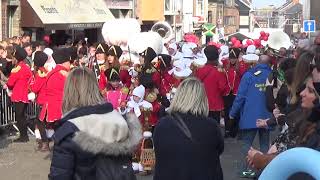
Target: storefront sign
77	13
119	4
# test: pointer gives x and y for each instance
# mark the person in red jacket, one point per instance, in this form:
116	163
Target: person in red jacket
233	75
114	53
215	82
18	82
99	65
51	111
38	87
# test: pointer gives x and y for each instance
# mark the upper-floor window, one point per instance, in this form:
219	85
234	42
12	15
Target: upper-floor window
200	8
229	2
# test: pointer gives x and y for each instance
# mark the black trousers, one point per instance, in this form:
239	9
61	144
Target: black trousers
42	129
21	118
215	115
41	125
228	101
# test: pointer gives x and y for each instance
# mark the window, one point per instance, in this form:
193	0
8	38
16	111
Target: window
229	2
170	6
210	17
200	8
229	20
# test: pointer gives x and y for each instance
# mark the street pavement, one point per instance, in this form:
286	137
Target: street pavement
21	161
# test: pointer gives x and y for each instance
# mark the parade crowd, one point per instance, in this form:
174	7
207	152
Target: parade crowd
106	105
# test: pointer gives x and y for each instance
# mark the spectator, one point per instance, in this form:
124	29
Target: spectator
94	141
250	102
188	143
26	38
28	48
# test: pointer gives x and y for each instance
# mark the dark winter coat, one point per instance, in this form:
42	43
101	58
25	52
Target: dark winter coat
92	143
179	158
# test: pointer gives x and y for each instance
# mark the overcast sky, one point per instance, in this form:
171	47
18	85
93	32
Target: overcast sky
264	3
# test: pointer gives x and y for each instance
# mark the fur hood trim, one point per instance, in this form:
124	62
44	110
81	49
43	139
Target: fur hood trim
123	140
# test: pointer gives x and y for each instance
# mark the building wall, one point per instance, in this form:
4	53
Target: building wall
15	29
231	20
150	10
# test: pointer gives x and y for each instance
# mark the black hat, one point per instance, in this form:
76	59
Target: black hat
61	55
115	51
101	48
19	53
234	53
40	58
72	53
211	53
149	54
166	63
112	74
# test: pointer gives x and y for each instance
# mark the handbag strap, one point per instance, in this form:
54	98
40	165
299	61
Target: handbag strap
182	125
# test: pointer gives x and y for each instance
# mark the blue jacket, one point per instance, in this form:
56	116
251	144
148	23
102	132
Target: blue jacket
250	102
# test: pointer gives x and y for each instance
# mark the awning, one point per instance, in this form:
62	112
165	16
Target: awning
70	14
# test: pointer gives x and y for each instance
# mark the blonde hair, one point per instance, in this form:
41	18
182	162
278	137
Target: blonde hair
190	97
80	90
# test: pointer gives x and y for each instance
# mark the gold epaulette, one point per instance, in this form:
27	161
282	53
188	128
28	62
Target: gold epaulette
16	69
42	74
63	73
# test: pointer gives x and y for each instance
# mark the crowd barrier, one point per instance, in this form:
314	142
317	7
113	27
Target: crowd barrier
7	111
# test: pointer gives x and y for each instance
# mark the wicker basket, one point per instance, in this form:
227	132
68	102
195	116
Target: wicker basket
147	156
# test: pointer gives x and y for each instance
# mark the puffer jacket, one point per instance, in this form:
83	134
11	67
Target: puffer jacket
95	143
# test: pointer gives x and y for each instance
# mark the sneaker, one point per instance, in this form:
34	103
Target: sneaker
248	174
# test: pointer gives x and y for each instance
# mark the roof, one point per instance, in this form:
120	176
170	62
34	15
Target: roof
245	2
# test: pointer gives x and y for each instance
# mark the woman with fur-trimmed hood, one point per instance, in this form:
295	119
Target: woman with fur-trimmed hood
93	140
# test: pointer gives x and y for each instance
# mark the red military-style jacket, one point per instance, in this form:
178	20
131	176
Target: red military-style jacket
38	86
216	86
18	82
52	109
234	74
164	82
125	78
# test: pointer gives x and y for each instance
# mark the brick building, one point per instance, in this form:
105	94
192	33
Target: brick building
10	18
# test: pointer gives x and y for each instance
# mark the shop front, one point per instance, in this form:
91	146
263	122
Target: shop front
75	19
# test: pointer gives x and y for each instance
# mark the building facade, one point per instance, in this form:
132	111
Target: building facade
10	18
231	17
121	8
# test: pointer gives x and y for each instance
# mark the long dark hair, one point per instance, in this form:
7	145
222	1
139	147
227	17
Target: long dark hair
301	72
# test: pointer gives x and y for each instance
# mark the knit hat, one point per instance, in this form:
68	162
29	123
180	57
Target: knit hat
60	56
48	51
19	53
181	69
173	46
234	53
40	58
112	74
251	56
187	49
149	54
139	91
211	53
115	51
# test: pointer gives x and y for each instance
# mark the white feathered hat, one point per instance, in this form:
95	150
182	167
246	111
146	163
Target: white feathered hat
141	41
118	31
